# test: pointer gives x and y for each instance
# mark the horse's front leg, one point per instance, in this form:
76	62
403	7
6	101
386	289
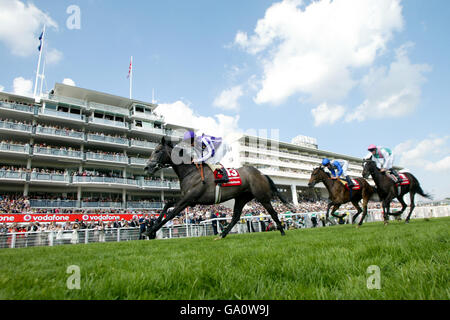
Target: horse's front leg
172	214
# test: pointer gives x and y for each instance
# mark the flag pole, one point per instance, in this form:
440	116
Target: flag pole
131	79
39	62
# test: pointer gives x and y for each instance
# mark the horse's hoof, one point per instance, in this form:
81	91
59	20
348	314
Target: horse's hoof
407	221
357	226
218	238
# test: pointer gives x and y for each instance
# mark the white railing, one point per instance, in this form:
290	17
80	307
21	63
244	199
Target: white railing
48	151
143	144
107	139
16	148
106	157
15	126
49	177
61	114
17	107
215	226
62	133
44	203
13	175
111	123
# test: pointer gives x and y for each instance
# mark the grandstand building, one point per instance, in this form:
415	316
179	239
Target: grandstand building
79	148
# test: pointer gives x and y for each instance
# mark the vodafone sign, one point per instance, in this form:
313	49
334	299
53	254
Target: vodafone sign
21	218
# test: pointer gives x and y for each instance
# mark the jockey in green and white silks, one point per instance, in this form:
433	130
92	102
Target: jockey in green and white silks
383	157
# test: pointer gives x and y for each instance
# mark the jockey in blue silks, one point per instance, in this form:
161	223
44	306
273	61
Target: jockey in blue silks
341	166
205	149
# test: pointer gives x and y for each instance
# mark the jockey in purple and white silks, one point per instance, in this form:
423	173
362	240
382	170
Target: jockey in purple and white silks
384	158
207	149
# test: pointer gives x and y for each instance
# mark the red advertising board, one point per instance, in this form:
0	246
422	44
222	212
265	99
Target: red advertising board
28	218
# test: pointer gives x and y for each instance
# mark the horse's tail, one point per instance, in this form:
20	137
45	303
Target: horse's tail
275	191
419	189
422	193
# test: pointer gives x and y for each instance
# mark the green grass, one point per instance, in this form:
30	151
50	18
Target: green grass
323	263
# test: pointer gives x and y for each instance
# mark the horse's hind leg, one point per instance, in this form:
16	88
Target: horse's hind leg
238	206
404	205
412	195
359	210
274	215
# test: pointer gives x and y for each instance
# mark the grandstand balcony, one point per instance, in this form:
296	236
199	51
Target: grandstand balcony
156	184
142	145
147	116
118	125
147	129
50	178
68	101
64	134
60	115
16	176
100	157
43	203
7	148
18	108
281	154
15	128
104	139
101	204
49	152
141	162
145	205
105	181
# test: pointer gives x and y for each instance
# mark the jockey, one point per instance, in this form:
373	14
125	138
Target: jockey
384	158
341	166
205	148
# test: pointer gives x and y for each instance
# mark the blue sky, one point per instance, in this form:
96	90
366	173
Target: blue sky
347	73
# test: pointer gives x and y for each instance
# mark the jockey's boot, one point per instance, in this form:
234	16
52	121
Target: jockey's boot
224	178
395	173
350	182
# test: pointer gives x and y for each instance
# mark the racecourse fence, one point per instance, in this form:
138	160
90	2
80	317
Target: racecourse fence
247	224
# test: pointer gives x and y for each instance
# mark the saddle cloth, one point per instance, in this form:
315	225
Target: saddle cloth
356	185
404	178
405	181
233	176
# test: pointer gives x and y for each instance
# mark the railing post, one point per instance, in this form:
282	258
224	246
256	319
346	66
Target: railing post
118	234
86	236
13	241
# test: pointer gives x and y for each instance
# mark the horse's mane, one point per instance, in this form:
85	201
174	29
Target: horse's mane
322	169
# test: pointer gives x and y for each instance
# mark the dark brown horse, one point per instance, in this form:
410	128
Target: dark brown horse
194	192
388	190
339	194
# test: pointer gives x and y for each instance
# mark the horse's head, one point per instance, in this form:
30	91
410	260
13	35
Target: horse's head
317	176
160	158
369	167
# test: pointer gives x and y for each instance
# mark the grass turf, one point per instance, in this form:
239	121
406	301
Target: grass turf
322	263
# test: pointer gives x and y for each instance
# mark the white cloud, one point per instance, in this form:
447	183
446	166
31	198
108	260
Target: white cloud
53	56
429	161
23	86
69	82
424	153
182	114
313	51
21	25
391	93
325	114
2	88
228	99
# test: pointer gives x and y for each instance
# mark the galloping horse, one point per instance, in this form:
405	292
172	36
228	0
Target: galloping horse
388	190
340	194
194	192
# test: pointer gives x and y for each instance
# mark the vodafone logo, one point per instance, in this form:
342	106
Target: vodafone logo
7	219
27	218
85	217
